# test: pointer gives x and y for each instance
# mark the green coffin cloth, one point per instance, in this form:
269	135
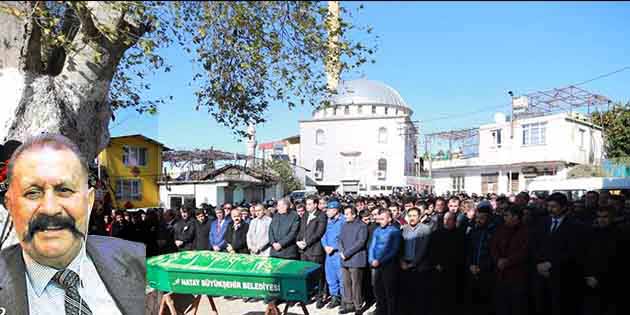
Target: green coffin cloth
219	274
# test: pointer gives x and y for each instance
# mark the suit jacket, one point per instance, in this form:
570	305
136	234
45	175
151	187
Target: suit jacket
564	249
185	232
121	265
352	243
512	244
283	230
202	230
237	238
312	233
166	233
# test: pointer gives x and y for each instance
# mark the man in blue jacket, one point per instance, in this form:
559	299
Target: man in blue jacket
332	265
353	253
217	231
383	258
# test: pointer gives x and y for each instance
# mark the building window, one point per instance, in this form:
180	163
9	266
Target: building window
457	183
382	165
346	110
360	109
496	137
581	133
386	110
382	135
134	156
319	137
489	183
319	170
396	111
534	134
128	189
373	109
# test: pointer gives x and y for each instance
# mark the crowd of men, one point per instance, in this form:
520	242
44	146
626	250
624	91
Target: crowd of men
420	254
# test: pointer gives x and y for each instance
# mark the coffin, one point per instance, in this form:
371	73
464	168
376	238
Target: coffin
224	274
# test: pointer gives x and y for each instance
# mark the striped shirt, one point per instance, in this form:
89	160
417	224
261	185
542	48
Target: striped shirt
45	297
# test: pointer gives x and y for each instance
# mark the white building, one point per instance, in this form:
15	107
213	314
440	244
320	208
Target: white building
512	154
287	149
231	183
363	142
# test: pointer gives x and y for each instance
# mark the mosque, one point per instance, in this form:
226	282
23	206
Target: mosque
363	142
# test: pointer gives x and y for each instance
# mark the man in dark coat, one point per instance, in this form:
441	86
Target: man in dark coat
437	215
368	290
509	250
448	257
120	227
202	230
166	233
479	265
185	231
602	269
558	249
283	230
236	234
97	220
137	229
312	228
352	245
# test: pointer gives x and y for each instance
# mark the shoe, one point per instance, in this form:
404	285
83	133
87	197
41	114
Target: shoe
320	303
334	302
358	312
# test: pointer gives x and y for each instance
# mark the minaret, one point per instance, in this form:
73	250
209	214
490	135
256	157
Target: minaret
251	144
332	59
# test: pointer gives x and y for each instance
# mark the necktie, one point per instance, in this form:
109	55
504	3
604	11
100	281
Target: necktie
69	280
554	225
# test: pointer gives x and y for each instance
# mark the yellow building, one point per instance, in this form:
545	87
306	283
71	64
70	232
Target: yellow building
134	166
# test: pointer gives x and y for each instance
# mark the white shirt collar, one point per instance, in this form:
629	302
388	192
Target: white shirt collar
40	275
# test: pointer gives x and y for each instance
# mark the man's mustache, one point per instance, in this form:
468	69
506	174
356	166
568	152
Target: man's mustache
44	222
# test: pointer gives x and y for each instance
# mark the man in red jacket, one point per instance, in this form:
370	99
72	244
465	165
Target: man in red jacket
509	251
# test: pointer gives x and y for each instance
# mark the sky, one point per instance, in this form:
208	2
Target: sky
452	62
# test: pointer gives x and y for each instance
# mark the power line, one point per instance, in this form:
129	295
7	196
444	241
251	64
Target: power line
482	110
603	75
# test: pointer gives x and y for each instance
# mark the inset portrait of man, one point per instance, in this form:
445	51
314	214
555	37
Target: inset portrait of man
56	268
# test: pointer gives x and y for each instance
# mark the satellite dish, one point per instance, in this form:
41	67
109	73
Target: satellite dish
499	118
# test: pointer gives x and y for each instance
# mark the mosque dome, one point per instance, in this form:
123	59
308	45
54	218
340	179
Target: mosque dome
367	92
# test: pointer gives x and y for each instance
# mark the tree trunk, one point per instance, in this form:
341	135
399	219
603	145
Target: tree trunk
72	99
73	102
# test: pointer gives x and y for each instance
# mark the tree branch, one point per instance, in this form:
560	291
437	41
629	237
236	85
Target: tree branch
69	29
30	53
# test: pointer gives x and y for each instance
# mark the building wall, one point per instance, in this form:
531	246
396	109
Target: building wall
562	147
561	142
203	193
360	135
112	158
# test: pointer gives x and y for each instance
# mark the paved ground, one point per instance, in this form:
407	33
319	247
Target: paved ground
238	307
